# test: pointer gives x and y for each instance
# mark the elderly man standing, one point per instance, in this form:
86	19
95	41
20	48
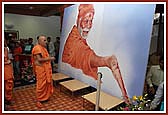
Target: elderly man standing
78	54
43	70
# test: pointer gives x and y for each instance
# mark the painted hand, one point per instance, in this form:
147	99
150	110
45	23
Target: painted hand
113	63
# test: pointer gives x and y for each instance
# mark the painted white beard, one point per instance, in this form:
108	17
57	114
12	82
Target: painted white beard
81	32
85	37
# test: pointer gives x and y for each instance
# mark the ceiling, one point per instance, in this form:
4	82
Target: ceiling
43	10
47	9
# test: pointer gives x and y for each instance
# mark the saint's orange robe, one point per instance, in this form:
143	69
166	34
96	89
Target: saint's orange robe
77	53
44	86
8	77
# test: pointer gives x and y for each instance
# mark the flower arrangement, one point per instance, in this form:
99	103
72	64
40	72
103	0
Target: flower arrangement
137	103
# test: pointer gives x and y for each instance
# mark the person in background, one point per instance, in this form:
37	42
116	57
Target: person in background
27	50
57	45
154	77
158	99
11	45
10	55
16	63
78	53
42	70
22	43
51	49
29	46
8	76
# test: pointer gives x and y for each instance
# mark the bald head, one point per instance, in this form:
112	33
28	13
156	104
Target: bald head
42	40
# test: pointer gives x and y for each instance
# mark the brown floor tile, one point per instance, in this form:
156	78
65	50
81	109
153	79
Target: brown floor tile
24	100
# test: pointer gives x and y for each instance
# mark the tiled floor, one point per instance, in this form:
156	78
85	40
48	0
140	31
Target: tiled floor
24	98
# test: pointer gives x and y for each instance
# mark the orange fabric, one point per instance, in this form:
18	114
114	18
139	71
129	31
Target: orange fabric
8	89
17	50
8	77
77	53
44	86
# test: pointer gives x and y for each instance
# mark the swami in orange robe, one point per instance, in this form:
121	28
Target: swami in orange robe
43	72
8	76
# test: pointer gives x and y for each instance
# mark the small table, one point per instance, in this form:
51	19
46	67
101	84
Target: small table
73	85
59	76
106	102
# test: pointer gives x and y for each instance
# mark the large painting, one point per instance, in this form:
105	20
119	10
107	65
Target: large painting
113	39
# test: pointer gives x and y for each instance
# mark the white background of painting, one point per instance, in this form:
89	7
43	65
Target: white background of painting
124	32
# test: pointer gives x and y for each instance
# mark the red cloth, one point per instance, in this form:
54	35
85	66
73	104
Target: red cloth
16	51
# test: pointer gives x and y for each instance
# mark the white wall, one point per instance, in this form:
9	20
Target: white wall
32	26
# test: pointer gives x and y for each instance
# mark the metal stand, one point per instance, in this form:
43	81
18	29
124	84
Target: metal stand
98	91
